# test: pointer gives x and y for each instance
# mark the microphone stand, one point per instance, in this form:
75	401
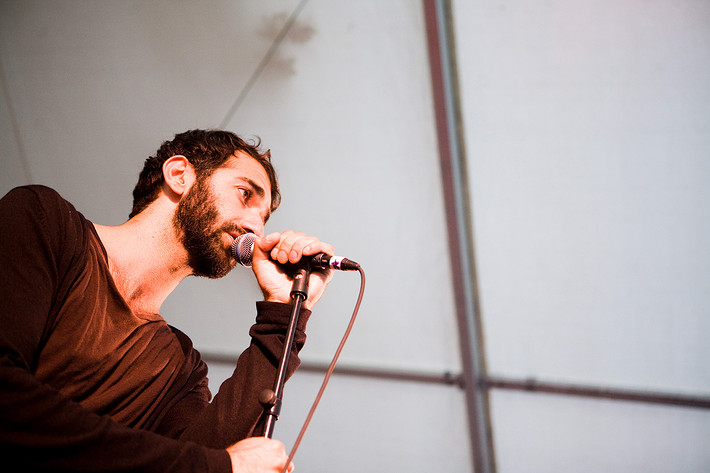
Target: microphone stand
271	399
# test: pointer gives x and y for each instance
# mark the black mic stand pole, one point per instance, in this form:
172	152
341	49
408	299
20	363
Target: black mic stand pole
271	399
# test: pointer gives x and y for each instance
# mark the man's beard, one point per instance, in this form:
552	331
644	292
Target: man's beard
196	223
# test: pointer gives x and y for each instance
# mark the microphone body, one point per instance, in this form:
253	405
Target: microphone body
243	252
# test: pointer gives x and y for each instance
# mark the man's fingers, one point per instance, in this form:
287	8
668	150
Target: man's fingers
293	245
259	454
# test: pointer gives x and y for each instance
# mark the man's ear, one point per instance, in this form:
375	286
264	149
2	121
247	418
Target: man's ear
178	174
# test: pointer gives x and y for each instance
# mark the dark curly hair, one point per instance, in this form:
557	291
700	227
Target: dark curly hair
206	150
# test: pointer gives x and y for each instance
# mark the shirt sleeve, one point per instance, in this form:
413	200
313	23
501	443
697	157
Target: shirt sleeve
40	429
235	412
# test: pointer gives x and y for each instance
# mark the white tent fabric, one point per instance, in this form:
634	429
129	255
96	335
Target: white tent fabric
587	129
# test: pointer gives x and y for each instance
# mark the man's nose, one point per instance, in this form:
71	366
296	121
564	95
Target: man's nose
253	223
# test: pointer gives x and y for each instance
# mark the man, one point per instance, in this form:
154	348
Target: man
91	376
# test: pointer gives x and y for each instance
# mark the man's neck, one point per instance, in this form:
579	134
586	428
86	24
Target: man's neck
146	260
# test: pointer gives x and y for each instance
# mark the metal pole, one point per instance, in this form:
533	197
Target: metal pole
442	60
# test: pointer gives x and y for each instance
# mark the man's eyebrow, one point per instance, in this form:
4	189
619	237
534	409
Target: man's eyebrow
256	187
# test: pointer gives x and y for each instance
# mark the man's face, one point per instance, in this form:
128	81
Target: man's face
234	199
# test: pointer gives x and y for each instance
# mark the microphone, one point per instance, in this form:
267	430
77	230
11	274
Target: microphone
243	251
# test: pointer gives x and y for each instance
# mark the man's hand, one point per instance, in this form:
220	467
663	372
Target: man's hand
258	455
288	247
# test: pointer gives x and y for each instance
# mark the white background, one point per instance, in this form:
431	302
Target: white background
587	129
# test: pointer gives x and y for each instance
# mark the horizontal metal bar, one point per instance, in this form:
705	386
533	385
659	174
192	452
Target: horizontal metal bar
618	394
499	382
377	373
394	375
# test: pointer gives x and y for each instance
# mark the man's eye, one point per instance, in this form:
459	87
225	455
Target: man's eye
245	193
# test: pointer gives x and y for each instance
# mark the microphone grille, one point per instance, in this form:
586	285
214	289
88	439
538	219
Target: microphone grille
243	249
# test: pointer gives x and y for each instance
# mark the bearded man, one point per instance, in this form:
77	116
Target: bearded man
92	378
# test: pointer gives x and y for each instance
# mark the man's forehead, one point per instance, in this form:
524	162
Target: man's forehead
242	162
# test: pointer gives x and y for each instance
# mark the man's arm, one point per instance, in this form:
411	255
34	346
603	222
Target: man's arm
235	413
43	431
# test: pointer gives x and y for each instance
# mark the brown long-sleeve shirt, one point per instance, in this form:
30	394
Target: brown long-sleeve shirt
88	385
